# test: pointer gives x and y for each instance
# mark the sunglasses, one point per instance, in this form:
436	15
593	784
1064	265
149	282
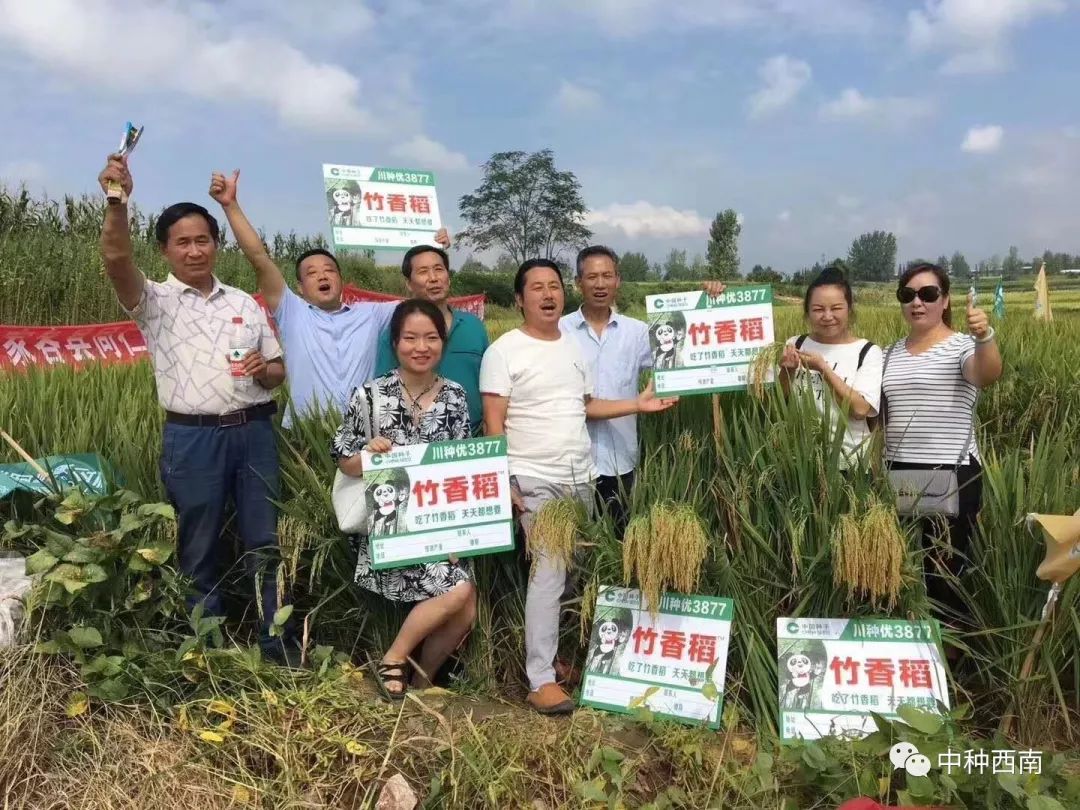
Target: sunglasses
928	294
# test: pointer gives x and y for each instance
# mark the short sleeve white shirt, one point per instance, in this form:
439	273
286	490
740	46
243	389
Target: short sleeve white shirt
864	379
546	383
187	336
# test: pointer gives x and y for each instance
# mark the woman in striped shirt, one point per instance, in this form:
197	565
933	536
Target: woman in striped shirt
930	384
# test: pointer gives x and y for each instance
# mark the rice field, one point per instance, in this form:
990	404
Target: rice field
756	512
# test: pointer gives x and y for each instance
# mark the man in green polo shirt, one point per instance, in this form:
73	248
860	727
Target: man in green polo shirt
427	273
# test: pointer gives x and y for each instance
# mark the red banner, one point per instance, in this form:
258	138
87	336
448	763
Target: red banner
121	342
468	303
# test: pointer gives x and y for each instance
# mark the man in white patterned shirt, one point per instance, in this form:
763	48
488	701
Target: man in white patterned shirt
218	441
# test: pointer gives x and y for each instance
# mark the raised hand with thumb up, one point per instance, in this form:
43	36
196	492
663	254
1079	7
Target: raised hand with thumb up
223	189
977	320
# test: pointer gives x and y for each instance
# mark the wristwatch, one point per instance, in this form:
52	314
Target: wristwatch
987	337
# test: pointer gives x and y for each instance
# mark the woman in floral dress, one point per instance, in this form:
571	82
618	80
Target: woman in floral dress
414	406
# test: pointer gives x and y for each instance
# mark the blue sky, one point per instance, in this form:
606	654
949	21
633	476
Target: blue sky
952	123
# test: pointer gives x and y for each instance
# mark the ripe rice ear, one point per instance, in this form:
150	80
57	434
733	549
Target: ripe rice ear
664	550
688	443
294	538
761	368
588	602
554	531
868	554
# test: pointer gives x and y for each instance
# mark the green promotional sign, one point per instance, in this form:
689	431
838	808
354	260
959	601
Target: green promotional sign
380	208
429	502
705	345
672	661
834	674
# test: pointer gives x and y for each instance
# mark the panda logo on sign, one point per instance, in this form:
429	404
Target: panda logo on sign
802	672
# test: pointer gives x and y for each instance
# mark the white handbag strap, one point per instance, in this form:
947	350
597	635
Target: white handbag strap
376	409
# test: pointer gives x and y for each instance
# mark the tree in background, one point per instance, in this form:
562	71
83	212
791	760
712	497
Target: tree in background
525	206
1012	265
808	274
634	267
699	268
504	264
723	249
675	267
944	263
471	265
764	275
1056	262
958	265
872	257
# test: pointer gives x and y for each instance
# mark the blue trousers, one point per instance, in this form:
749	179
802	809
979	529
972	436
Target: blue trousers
203	468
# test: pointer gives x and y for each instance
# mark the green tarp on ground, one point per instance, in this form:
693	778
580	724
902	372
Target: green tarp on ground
88	471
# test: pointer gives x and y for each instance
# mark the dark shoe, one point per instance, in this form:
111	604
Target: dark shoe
391	672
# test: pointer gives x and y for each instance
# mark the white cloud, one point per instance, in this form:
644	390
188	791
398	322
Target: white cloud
976	32
983	140
847	201
424	153
886	111
782	79
784	216
575	99
850	104
739	218
645	219
168	48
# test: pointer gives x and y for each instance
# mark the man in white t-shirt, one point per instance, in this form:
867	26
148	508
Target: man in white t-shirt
538	391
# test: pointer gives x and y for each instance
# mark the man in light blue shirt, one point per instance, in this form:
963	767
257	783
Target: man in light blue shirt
616	347
330	346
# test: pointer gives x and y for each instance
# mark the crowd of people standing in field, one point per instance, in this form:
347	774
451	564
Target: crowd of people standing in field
563	389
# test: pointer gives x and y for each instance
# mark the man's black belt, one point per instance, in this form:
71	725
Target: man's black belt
232	419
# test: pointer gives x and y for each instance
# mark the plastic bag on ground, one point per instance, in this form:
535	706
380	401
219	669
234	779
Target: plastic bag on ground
14	587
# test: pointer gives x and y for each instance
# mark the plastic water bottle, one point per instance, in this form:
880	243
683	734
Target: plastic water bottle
241	341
